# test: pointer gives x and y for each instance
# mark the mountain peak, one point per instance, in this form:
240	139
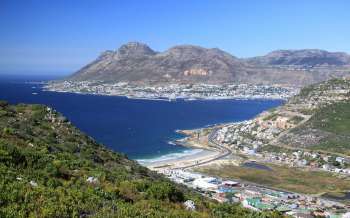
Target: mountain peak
136	62
135	49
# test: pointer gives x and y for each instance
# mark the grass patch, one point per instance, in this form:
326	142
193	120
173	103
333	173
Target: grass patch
272	116
334	118
277	149
281	177
296	119
335	144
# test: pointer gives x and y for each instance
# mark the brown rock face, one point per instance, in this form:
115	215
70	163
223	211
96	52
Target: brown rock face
196	72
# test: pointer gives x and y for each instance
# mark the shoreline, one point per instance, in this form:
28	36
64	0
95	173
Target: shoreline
202	153
47	88
210	152
248	97
207	153
178	162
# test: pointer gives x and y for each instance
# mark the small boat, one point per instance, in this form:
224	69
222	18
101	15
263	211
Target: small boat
34	93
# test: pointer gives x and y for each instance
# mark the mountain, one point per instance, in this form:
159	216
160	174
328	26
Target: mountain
48	168
136	62
305	57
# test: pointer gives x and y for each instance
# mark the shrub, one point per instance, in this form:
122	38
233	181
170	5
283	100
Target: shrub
3	103
164	191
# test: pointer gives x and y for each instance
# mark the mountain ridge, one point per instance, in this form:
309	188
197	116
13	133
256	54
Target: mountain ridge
306	57
137	62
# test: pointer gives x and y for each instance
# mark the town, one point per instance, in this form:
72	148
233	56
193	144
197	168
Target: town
256	197
175	91
261	141
236	137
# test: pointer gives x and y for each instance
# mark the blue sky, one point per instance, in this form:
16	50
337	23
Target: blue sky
61	36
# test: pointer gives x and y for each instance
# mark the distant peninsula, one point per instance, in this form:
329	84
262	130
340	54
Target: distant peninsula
192	72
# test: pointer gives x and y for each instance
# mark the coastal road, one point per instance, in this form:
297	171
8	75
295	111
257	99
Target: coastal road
225	151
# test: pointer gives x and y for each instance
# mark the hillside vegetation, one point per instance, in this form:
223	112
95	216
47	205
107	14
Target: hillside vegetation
334	120
328	104
48	168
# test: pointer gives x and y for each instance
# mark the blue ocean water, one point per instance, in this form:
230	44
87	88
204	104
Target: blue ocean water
139	128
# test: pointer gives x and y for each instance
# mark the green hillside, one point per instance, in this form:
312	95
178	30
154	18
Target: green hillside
48	168
334	120
328	128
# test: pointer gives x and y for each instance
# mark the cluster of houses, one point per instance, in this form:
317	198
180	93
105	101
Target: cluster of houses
255	197
174	90
248	138
312	160
260	130
325	93
248	135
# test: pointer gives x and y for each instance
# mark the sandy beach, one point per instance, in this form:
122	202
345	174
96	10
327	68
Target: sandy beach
203	153
183	161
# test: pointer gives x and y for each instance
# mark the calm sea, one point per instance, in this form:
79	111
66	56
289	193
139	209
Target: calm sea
139	128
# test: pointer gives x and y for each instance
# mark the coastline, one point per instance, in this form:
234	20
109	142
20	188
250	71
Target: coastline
202	150
175	91
205	153
178	159
179	162
197	153
183	98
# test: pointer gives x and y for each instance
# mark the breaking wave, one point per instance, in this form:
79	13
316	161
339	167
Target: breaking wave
171	156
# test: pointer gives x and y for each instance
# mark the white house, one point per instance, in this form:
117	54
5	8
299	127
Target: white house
208	183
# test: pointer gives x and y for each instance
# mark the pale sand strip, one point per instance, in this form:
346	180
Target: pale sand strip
193	140
207	154
182	161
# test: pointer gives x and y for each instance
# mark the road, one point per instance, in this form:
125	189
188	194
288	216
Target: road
225	151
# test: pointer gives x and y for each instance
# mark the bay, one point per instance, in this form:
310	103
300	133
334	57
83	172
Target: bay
142	129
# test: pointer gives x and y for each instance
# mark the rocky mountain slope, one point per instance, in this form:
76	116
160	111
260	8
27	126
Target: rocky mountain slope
48	168
304	57
136	62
